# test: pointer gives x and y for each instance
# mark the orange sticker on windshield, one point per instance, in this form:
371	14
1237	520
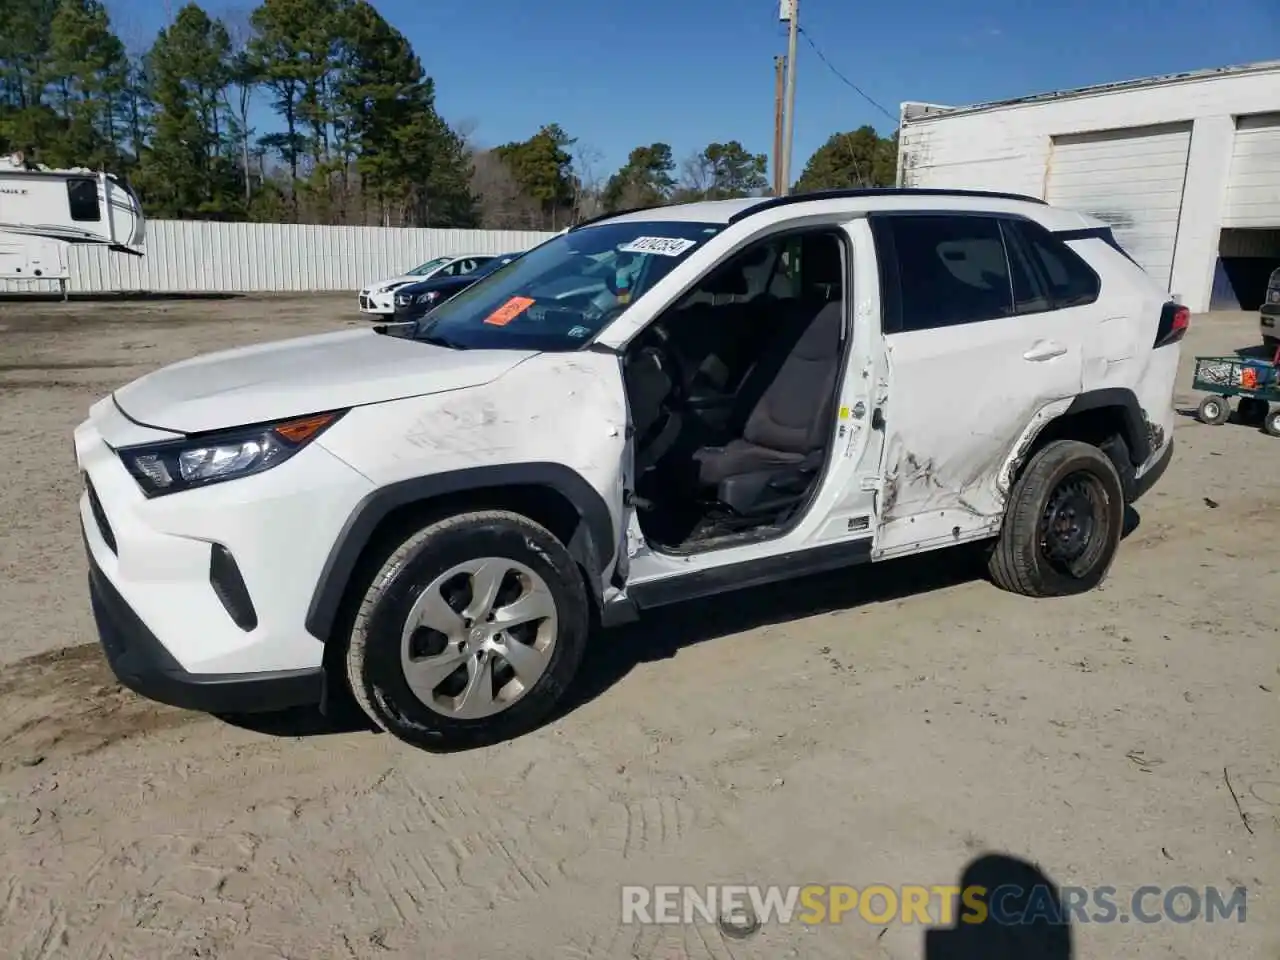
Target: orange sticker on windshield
509	311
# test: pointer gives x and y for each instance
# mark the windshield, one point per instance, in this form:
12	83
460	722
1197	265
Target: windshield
560	294
422	269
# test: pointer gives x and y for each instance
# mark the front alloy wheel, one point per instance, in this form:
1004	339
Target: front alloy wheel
470	633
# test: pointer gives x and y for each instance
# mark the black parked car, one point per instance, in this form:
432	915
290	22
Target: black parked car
415	301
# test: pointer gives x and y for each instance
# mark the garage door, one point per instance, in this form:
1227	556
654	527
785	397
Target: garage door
1130	178
1253	190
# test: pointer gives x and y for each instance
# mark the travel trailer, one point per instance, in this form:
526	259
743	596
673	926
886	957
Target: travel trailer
43	210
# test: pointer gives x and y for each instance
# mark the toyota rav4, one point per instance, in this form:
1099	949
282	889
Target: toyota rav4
438	515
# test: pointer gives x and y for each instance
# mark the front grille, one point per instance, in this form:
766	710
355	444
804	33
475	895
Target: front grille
100	515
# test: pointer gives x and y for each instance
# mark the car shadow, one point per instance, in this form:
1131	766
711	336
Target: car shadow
342	716
661	634
1023	915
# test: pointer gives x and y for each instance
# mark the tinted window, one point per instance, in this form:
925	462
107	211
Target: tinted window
951	270
1068	280
82	195
1029	294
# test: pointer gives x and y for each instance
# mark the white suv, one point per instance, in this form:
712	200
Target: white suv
437	515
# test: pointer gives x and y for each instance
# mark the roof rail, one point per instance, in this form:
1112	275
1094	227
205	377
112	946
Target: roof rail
856	193
612	213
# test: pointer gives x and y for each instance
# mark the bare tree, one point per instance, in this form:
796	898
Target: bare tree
239	94
503	206
588	181
697	176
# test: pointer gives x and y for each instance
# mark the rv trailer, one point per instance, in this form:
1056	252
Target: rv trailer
43	210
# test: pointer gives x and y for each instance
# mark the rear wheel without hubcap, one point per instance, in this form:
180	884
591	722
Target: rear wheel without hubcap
470	632
1062	524
1071	517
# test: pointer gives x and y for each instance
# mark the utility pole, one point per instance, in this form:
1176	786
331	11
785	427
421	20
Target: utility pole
789	10
779	63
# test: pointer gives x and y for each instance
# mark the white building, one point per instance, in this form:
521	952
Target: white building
1186	168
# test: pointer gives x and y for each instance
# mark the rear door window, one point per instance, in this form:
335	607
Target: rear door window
949	270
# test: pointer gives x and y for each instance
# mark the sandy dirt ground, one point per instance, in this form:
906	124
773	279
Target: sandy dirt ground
877	726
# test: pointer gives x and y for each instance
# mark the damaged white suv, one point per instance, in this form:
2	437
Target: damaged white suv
438	515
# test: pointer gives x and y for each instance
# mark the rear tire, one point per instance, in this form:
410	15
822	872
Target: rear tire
1272	423
1062	525
470	633
1214	411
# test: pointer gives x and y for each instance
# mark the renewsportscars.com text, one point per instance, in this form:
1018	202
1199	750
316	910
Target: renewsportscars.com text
933	905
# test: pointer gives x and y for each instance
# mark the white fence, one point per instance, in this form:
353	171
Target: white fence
183	256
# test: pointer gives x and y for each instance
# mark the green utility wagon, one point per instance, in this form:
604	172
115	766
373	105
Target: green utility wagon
1255	381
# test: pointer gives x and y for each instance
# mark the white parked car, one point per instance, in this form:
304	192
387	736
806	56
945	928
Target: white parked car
435	515
379	298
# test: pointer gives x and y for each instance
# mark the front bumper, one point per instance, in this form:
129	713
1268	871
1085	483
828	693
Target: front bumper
142	664
201	596
413	311
383	304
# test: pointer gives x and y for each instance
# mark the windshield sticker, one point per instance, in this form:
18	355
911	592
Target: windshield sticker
662	246
509	311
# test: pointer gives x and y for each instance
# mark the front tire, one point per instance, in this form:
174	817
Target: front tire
1214	411
1062	525
470	633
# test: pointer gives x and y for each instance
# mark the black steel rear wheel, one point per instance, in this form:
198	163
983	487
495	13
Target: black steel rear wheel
1062	523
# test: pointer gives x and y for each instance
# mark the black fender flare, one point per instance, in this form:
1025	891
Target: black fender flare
1136	437
592	545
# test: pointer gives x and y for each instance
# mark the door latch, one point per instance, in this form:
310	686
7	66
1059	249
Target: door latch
859	410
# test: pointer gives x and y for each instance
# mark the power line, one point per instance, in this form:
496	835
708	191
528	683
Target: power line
845	80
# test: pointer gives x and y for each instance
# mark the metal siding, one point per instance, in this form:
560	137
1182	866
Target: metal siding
1132	179
1253	188
203	257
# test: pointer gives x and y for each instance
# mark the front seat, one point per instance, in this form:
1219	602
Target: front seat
787	429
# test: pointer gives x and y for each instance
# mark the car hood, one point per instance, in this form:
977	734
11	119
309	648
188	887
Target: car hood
305	375
436	283
385	286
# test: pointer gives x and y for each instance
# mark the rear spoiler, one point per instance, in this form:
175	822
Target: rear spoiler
1096	233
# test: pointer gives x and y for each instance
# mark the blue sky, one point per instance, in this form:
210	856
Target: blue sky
689	72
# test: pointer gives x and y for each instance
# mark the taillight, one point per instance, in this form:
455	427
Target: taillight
1175	320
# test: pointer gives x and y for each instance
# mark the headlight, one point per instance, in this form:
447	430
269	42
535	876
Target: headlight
429	297
198	461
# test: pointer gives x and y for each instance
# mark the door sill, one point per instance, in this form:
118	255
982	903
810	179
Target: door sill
745	574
